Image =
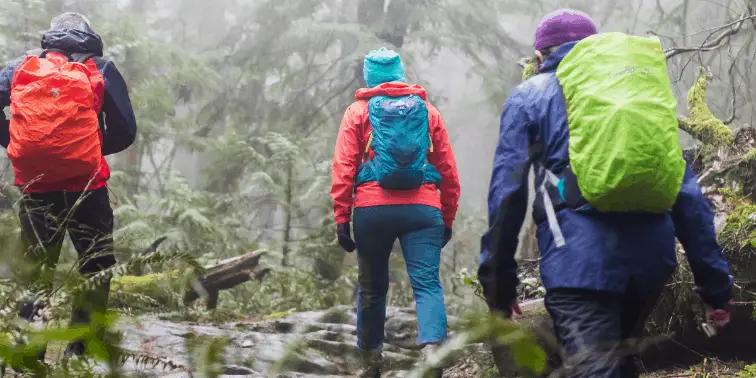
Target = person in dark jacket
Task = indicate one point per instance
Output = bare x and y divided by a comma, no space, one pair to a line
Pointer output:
47,210
608,274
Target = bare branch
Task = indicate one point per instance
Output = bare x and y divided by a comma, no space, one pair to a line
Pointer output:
712,43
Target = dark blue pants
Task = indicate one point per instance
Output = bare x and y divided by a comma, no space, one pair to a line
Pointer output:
420,230
596,329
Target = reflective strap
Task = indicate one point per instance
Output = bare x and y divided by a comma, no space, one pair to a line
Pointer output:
370,139
553,179
556,231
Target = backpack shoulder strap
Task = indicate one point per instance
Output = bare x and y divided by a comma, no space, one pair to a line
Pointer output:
82,58
56,51
430,132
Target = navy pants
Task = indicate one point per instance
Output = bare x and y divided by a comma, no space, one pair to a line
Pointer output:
597,329
45,218
420,230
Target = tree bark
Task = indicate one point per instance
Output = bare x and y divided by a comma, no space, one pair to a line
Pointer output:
289,208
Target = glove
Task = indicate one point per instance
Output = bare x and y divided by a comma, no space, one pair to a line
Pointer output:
344,233
507,313
447,236
717,318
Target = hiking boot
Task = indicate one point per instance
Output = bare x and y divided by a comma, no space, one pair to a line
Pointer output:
96,300
372,362
30,309
434,372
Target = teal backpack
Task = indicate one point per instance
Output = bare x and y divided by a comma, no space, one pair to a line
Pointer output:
400,139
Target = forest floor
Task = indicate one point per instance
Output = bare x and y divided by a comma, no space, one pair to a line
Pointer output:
709,369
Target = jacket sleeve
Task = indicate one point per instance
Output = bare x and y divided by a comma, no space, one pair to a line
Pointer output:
120,122
443,159
507,206
6,79
694,228
346,159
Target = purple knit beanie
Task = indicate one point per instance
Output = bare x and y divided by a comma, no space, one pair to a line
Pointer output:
562,26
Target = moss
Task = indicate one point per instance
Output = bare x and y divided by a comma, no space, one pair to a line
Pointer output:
279,315
159,287
748,372
750,156
701,123
530,69
335,316
739,231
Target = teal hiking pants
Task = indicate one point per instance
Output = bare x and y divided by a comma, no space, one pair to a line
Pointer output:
420,230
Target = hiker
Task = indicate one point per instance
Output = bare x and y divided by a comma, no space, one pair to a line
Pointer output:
612,193
393,153
69,107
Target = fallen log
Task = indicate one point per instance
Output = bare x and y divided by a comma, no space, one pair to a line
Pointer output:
226,275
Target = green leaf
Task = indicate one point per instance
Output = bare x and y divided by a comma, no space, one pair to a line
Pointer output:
528,355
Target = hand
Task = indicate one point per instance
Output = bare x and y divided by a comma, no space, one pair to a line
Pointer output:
344,233
514,308
717,318
447,236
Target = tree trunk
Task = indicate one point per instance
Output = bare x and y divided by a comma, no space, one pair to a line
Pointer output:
288,197
130,161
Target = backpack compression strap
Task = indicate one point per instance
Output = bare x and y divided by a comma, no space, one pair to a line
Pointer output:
370,140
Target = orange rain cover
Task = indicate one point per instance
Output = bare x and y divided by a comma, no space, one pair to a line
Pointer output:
54,130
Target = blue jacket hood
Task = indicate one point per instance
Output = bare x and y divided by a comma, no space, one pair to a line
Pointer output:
73,41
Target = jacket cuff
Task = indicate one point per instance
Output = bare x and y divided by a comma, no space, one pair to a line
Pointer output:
449,221
501,299
500,292
343,218
716,303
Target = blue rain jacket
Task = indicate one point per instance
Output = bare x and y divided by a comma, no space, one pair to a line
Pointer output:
605,252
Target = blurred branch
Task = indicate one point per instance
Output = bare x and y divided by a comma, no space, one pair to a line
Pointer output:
711,42
733,93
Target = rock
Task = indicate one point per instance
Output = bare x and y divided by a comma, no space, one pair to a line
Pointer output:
316,343
323,343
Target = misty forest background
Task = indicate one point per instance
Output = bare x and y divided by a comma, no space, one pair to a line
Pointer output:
238,104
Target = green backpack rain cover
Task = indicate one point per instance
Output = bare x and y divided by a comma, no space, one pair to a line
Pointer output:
623,145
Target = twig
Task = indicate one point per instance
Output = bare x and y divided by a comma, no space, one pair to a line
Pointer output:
715,43
723,167
732,116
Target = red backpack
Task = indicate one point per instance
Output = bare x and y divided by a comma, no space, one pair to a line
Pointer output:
54,128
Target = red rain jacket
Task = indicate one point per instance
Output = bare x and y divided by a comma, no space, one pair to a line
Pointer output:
351,144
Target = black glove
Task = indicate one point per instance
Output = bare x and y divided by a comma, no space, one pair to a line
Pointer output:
344,234
447,236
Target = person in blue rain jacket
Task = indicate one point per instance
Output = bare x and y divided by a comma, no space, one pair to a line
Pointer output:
603,282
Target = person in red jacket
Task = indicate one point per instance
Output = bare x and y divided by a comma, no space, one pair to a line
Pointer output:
394,165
